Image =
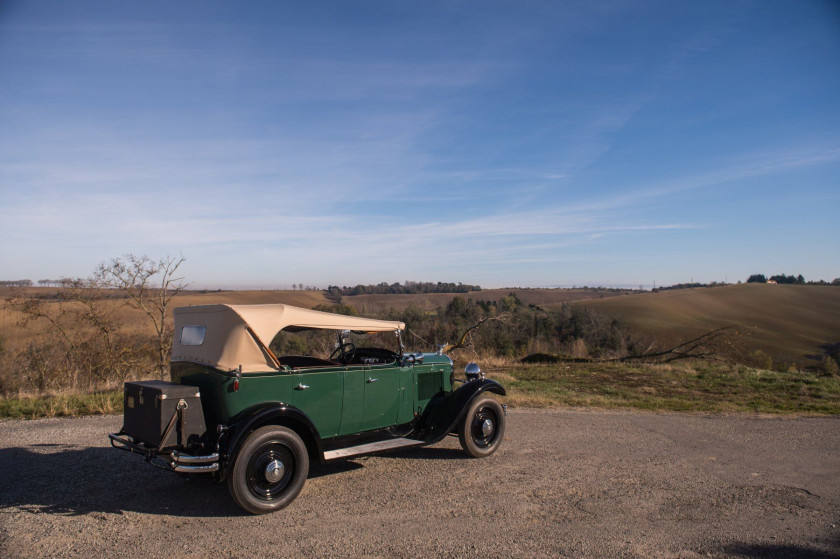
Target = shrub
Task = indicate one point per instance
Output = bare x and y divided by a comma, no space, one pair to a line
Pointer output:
829,367
761,360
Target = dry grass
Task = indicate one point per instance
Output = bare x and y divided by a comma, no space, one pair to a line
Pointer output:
500,376
685,387
61,405
682,386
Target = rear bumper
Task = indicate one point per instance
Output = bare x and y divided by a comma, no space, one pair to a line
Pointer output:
172,460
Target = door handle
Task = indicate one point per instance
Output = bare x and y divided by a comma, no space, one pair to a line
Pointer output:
301,386
370,380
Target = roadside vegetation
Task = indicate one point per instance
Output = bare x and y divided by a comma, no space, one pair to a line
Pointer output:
71,404
685,387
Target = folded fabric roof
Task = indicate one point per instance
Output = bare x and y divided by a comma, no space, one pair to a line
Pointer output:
226,343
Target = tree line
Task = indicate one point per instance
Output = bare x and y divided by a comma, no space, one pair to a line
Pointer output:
16,283
409,287
689,286
792,280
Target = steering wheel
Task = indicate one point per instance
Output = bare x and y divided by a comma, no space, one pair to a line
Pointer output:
343,353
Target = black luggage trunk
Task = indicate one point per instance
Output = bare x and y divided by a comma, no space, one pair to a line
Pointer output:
155,409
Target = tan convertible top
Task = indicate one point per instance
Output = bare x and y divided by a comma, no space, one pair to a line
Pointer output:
227,336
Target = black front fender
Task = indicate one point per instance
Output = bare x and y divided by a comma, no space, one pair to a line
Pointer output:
270,413
442,416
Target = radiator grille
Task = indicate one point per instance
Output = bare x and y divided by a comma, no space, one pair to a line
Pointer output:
428,384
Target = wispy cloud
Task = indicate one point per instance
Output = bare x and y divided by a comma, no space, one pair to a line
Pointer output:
402,143
747,166
118,221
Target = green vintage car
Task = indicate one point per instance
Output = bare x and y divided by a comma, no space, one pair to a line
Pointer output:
238,411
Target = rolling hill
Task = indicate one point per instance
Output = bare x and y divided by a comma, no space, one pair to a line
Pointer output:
791,323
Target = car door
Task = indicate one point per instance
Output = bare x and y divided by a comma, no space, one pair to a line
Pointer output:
318,393
354,393
381,399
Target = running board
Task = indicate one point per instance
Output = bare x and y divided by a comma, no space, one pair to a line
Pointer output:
370,447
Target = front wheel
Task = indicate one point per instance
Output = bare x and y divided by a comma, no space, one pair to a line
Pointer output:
269,470
482,428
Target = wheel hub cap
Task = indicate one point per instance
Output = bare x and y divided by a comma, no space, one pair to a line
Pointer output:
274,471
487,428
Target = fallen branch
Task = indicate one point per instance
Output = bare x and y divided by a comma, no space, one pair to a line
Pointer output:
701,347
461,343
706,346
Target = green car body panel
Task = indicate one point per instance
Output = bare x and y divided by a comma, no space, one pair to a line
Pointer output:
338,400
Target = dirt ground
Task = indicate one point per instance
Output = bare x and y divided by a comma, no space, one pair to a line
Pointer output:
566,483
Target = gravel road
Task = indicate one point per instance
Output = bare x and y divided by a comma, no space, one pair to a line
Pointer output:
565,482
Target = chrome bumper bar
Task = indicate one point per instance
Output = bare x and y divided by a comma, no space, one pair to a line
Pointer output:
188,464
204,469
174,460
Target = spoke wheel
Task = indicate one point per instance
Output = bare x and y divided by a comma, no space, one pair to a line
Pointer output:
269,470
482,428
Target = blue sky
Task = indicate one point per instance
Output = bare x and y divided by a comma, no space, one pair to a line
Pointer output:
520,143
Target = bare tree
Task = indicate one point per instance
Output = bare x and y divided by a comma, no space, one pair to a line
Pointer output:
83,343
150,286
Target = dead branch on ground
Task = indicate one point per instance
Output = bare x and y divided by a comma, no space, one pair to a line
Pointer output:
714,345
503,317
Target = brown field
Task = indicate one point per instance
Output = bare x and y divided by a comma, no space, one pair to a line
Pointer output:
13,336
788,322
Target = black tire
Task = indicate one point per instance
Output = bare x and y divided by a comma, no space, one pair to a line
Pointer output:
251,481
476,439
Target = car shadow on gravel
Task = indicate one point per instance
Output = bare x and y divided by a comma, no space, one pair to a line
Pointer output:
68,480
428,453
319,470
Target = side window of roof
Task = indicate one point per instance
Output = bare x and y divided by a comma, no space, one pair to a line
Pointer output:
193,335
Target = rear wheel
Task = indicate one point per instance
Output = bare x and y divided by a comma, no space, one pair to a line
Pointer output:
269,470
482,428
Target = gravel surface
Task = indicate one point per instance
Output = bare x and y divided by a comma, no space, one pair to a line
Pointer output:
564,483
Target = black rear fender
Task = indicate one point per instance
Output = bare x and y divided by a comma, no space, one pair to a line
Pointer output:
270,413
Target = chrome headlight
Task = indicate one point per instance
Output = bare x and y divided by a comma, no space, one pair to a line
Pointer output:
473,371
